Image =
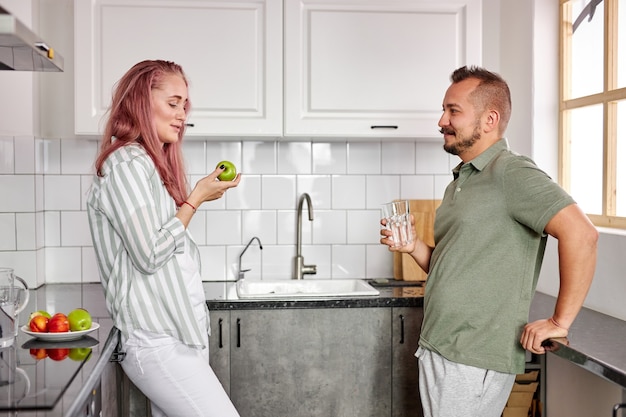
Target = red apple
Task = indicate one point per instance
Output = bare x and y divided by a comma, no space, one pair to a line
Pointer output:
39,324
58,323
58,354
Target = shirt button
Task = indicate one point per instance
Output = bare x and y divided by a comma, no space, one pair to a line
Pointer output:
458,189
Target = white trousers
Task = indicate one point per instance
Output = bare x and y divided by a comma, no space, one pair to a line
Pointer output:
178,380
449,389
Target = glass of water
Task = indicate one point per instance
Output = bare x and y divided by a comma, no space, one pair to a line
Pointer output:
398,221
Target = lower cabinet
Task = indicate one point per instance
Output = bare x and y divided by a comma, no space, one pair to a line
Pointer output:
338,362
406,327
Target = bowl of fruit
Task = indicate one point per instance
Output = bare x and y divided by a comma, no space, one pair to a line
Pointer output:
60,327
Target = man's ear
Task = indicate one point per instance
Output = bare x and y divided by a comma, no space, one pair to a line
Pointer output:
492,121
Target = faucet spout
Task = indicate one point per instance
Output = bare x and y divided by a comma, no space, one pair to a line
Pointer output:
241,272
300,269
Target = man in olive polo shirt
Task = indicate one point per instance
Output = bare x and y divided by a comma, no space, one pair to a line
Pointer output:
490,235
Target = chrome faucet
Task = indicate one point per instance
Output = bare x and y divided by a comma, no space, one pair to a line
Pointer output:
241,272
300,269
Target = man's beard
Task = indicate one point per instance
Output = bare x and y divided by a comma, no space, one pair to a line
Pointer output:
461,143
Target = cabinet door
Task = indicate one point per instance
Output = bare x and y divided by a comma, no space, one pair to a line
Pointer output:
311,362
219,346
231,52
373,68
406,325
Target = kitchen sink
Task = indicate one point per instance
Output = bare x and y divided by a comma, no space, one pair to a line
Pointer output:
306,288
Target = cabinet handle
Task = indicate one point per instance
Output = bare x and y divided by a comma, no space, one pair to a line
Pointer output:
617,407
219,322
238,332
383,127
401,329
190,125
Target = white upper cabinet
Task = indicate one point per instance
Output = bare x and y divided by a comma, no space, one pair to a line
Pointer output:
374,68
231,51
352,68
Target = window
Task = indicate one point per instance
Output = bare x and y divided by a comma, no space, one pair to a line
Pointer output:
593,107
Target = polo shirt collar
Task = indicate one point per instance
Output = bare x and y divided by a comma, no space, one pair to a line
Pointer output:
482,160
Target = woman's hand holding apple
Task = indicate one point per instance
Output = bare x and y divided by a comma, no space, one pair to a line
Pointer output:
210,188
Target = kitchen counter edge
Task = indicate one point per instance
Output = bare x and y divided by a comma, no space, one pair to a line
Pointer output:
595,340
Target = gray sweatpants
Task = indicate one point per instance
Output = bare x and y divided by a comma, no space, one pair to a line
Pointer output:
450,389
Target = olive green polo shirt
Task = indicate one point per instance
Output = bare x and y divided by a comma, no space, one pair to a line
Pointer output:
489,246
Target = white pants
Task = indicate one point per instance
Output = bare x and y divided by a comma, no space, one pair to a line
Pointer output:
177,380
449,389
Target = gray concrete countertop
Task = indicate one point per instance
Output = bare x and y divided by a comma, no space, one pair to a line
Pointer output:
596,341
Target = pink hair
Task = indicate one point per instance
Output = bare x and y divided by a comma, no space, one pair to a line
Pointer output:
130,121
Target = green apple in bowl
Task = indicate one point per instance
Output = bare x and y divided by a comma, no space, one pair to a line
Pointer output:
229,173
79,319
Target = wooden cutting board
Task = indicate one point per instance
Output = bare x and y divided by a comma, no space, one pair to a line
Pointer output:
404,266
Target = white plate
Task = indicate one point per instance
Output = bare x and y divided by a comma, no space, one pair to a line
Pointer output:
60,337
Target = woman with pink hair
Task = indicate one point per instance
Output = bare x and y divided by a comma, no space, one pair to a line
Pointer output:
139,207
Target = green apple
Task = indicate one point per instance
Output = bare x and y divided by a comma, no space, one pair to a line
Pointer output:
39,313
229,173
79,319
79,354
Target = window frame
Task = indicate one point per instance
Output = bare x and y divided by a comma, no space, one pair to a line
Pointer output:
608,98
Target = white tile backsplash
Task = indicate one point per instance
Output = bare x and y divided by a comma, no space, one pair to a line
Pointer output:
259,223
294,158
364,157
398,158
52,229
348,191
246,196
417,187
430,158
329,227
259,157
75,229
278,192
7,155
223,227
318,187
329,158
49,159
8,231
381,189
45,234
278,261
378,262
78,156
24,155
25,227
63,265
197,227
18,193
213,263
348,261
194,155
62,192
363,226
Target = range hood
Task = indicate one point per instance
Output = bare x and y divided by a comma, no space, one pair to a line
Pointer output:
23,50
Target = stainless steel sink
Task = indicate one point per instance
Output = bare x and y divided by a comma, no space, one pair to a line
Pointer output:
306,288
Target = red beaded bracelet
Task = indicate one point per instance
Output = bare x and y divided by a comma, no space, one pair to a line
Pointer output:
190,205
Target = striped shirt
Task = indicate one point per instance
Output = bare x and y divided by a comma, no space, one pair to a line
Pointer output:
138,242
